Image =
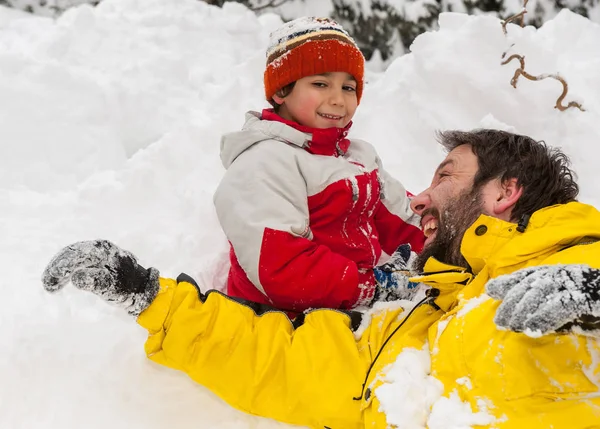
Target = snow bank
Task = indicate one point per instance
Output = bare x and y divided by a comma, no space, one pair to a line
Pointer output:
110,123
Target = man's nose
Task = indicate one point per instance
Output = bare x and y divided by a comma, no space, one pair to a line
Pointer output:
420,202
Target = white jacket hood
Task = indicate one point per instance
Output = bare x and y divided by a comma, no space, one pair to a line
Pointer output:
254,131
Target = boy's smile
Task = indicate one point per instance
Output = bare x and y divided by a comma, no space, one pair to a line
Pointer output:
320,101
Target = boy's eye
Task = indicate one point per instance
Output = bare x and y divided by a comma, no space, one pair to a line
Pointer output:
319,84
349,88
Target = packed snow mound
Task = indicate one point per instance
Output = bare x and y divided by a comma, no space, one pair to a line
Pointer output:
110,125
453,79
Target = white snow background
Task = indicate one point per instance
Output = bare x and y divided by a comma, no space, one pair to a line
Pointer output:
110,120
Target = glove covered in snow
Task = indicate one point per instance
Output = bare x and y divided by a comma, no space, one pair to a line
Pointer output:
101,267
548,298
392,277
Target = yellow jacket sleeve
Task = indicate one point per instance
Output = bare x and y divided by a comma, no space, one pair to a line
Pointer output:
582,253
261,363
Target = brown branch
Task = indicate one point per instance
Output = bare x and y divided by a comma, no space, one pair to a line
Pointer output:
521,72
523,15
521,59
272,3
515,16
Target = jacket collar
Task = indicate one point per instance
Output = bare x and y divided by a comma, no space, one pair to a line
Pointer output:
448,279
318,141
496,246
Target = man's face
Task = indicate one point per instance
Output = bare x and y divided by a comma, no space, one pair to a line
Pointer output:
450,206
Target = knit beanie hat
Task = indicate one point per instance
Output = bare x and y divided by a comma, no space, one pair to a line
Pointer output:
308,46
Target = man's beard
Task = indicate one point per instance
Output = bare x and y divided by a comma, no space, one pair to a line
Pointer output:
459,215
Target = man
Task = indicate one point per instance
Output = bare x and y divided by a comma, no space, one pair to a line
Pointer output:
498,204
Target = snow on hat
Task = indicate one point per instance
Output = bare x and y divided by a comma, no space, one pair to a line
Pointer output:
308,46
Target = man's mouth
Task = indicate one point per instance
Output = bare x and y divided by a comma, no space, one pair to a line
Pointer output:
429,225
330,117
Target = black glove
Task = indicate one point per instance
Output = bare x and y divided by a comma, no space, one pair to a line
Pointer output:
548,298
392,277
101,267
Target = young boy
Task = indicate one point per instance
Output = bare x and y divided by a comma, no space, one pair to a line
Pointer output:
306,210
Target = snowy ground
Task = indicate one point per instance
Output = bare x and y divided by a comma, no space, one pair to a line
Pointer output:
109,127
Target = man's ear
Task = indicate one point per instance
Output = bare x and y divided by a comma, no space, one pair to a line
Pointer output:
509,193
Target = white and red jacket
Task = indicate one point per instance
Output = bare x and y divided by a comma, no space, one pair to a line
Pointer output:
308,213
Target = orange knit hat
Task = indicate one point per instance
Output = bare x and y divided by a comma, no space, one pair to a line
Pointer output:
308,46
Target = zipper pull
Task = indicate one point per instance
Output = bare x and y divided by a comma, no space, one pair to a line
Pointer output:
431,295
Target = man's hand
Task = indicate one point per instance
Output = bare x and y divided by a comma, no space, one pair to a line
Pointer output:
392,277
101,267
548,298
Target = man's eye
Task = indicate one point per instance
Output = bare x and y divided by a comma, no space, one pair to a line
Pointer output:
444,175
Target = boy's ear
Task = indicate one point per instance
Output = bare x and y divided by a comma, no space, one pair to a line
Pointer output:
509,193
278,99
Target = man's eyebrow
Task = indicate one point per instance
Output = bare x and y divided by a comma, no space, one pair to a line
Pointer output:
444,164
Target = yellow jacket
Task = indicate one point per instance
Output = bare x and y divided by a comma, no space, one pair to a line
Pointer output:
315,372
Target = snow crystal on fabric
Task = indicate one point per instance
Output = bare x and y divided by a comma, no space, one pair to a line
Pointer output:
471,304
381,307
452,413
301,25
543,299
102,268
409,391
412,399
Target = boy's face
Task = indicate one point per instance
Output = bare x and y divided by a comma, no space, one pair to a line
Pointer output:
320,101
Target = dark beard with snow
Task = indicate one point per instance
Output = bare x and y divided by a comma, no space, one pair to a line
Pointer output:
458,216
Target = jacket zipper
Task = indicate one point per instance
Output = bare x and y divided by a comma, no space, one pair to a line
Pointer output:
430,296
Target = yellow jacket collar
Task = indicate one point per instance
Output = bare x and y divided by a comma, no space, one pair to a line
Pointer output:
497,243
448,279
493,243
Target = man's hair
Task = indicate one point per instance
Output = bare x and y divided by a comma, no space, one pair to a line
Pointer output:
542,172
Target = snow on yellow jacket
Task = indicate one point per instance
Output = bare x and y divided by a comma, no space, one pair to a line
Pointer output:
315,372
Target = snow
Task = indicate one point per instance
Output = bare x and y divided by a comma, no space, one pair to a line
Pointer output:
295,9
380,307
592,371
538,301
110,126
452,413
472,304
409,391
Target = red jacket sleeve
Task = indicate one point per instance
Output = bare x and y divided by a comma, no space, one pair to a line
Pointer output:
395,221
298,274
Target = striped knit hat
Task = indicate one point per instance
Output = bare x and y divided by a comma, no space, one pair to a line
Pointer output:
308,46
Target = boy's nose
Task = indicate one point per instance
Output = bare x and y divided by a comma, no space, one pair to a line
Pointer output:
337,97
420,202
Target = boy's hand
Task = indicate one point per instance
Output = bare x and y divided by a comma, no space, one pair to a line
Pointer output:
101,267
392,277
548,298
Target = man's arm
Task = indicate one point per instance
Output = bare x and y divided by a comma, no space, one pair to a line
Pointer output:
560,295
304,372
256,359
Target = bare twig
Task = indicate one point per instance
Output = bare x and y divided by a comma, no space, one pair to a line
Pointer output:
523,14
521,72
272,3
515,16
